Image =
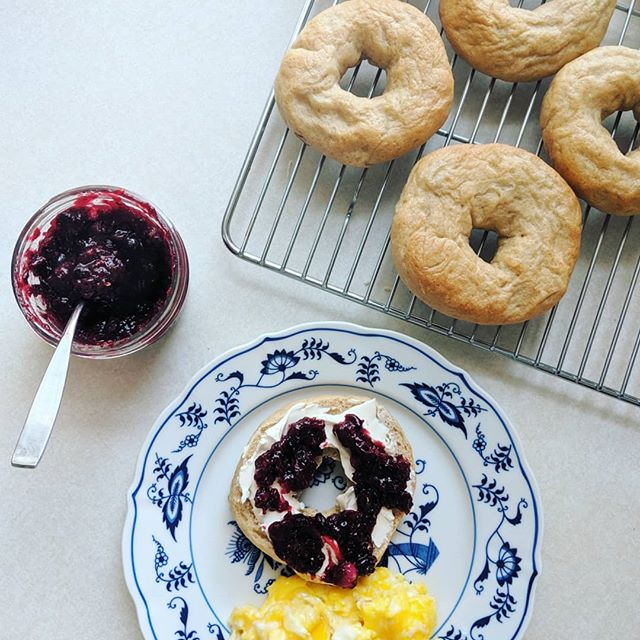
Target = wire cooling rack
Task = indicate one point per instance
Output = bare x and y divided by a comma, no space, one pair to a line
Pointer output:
300,214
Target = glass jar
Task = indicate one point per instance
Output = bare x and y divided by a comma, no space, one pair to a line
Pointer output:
34,306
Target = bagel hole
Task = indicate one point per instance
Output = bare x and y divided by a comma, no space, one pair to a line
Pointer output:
627,130
484,243
328,482
364,80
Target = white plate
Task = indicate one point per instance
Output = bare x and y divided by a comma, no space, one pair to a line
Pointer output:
474,533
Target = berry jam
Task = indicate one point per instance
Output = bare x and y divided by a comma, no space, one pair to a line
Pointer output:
380,480
292,460
104,253
298,542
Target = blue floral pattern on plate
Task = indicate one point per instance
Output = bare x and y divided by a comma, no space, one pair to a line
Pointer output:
171,499
474,532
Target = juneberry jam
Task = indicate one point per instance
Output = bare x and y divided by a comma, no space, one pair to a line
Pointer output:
298,542
352,531
115,259
380,479
292,461
341,542
269,499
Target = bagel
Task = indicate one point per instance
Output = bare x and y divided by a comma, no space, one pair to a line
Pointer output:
520,45
360,131
258,523
585,92
497,187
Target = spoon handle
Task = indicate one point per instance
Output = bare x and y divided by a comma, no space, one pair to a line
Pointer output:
44,409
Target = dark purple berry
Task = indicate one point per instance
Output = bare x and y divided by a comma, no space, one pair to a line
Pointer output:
308,432
368,499
366,564
380,479
113,259
344,575
269,499
268,466
296,540
352,531
294,459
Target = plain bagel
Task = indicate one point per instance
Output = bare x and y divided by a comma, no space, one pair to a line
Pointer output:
520,45
497,187
252,520
362,131
585,92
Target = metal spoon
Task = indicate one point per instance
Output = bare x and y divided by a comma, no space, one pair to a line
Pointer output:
44,409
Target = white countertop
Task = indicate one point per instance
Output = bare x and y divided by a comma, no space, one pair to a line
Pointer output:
162,98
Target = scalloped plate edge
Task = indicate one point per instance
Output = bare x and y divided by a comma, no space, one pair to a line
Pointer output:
142,610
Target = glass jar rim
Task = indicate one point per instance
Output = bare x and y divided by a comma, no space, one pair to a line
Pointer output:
157,325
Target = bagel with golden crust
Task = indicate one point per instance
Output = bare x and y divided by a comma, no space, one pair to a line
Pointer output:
520,45
585,92
249,518
362,131
495,187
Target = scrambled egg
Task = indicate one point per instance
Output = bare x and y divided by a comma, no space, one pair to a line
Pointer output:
383,606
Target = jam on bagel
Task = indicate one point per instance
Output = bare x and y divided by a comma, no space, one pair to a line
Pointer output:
337,548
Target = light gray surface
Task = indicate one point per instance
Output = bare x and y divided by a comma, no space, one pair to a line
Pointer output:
162,98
